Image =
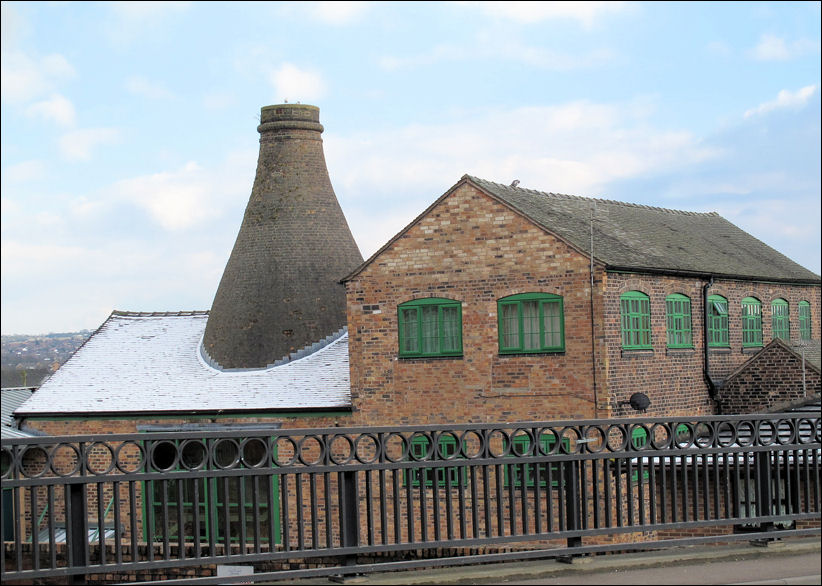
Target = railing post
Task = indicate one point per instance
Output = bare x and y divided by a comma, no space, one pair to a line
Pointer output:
764,488
572,505
349,513
78,530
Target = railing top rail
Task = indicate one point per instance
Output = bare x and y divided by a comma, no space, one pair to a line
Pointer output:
275,429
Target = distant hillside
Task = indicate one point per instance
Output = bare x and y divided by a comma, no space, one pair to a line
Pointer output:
27,360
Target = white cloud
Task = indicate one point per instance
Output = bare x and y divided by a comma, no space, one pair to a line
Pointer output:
57,108
77,145
577,148
785,99
585,13
141,86
25,78
339,13
24,171
294,84
773,48
132,20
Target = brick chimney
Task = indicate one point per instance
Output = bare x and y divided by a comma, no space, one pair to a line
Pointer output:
280,290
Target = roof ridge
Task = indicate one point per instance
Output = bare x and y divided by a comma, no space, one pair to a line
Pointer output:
182,313
593,199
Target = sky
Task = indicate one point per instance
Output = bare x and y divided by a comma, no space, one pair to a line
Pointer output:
129,139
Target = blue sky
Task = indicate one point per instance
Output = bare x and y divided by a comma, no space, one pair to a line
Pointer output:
129,138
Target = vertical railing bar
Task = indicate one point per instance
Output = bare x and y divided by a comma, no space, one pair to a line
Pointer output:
35,528
512,505
286,538
524,499
663,463
486,499
727,488
272,484
84,496
52,539
312,486
101,524
606,481
409,499
195,531
227,515
212,519
329,531
618,490
435,488
561,497
475,528
706,503
69,528
716,475
684,468
423,474
298,506
807,483
166,546
118,536
383,507
629,489
696,497
397,507
595,492
640,481
132,498
673,477
549,495
776,489
538,499
148,525
241,515
181,533
369,515
583,491
461,499
500,496
255,507
449,506
652,466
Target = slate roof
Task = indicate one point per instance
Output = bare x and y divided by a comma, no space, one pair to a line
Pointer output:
150,363
10,399
644,238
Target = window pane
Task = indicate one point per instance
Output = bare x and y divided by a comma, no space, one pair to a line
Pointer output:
510,325
551,325
450,329
410,333
430,335
530,325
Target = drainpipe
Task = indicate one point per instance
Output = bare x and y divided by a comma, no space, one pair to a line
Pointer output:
706,369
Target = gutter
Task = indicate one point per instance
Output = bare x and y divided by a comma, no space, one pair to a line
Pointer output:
701,275
706,368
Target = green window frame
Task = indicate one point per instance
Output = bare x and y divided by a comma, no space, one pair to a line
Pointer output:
531,323
430,327
678,310
520,445
419,447
780,319
635,310
805,320
214,515
718,322
751,322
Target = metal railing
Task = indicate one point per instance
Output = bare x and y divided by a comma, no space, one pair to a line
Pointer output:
538,489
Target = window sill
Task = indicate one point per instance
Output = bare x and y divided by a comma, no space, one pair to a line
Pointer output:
751,349
722,350
428,358
535,353
638,353
679,351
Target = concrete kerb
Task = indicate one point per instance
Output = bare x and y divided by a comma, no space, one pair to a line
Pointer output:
529,570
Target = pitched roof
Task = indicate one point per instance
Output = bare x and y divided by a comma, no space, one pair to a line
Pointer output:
642,238
151,363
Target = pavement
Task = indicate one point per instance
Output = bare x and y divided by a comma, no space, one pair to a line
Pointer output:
788,561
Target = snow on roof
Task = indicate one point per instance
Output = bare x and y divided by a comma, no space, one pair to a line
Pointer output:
151,363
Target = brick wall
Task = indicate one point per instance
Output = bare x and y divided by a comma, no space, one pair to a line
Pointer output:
773,380
472,249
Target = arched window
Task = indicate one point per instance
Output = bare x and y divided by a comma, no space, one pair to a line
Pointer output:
531,322
678,310
635,308
751,322
780,319
805,320
718,322
430,327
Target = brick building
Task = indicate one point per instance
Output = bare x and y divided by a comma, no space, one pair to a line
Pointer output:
504,303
